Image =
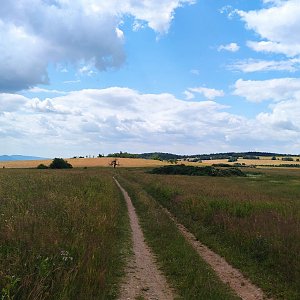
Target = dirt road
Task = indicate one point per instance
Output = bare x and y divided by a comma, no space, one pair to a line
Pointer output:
228,274
143,277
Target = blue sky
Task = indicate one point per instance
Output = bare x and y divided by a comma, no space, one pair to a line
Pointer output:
183,76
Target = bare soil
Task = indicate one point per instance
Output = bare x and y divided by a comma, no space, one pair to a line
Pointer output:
143,278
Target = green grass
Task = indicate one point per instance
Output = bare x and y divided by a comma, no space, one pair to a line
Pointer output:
64,234
186,271
254,222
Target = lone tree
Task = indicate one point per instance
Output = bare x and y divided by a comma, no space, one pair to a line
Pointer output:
114,163
60,163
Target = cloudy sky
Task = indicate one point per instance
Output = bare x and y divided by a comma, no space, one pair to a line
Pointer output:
80,77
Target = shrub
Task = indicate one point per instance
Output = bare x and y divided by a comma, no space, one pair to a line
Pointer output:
232,159
197,171
287,159
42,166
60,163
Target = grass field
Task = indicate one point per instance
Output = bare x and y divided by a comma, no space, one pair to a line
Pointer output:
63,234
254,222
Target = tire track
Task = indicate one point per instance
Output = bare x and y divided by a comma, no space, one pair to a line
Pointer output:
228,274
143,278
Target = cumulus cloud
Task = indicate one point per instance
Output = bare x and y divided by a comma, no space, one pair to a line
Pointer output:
10,102
208,93
257,65
278,25
232,47
113,119
272,89
119,117
35,33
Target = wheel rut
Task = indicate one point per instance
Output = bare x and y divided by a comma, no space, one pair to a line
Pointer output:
242,286
143,278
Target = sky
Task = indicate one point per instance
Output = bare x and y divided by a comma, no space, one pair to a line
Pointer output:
88,77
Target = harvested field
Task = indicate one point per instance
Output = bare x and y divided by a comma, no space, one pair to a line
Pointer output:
256,162
86,162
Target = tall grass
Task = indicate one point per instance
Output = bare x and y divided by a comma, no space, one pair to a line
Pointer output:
254,222
63,234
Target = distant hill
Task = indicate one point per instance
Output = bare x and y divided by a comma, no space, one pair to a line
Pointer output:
19,157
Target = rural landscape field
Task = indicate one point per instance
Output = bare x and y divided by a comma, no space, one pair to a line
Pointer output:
149,150
65,234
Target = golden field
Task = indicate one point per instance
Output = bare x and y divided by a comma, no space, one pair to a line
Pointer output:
139,162
264,161
86,162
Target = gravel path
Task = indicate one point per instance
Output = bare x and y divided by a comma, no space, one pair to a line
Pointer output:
143,278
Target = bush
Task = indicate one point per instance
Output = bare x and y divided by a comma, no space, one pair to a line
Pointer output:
232,159
59,163
197,171
287,159
42,166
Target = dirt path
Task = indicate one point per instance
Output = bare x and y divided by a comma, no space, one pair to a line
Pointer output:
229,275
143,279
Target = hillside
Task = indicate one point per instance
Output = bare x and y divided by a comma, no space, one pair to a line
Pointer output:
19,157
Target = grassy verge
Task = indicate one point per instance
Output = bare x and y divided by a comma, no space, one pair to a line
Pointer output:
253,222
185,270
63,234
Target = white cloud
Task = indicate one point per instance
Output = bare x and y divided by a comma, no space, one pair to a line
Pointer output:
284,116
11,102
188,95
195,72
232,47
257,65
72,81
274,89
41,90
113,119
35,33
278,25
208,93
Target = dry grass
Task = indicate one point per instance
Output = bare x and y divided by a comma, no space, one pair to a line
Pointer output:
86,162
139,162
261,161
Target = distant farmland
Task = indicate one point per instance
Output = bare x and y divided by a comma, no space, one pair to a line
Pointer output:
86,162
140,162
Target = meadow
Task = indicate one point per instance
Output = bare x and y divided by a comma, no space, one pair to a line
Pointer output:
253,221
64,234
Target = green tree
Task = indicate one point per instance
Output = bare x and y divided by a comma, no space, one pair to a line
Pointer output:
60,163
